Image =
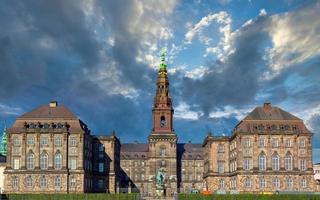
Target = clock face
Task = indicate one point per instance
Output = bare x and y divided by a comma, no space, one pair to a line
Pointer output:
163,123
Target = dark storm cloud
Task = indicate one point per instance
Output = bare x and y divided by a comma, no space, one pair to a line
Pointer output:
45,47
236,82
38,40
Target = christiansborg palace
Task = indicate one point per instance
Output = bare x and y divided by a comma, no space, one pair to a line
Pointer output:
50,149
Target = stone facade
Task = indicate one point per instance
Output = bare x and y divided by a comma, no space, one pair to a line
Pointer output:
270,150
50,150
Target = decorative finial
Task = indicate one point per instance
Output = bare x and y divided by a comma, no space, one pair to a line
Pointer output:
163,58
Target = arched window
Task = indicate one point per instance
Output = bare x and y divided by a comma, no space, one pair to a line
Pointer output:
57,161
275,162
162,121
44,161
262,162
30,160
43,182
29,181
288,162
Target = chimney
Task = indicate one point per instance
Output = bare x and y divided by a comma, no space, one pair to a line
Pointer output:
267,106
53,104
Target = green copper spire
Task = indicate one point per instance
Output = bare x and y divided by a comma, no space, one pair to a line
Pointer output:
3,142
163,64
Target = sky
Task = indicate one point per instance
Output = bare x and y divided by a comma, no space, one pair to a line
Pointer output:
100,59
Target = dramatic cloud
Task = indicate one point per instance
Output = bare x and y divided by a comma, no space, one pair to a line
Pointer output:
100,57
235,81
295,37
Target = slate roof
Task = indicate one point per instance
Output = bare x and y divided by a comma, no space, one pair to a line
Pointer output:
190,151
49,118
134,151
268,112
268,118
47,112
134,147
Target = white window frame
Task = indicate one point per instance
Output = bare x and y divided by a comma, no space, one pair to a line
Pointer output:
275,162
288,160
29,181
30,161
247,164
262,163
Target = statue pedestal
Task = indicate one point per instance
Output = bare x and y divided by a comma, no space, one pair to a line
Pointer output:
160,192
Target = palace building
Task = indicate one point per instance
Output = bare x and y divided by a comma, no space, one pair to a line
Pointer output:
51,150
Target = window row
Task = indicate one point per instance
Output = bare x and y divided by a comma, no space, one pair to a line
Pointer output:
191,177
44,160
43,182
276,183
282,127
275,142
275,163
44,140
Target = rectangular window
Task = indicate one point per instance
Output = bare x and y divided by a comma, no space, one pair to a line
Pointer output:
220,148
275,142
101,167
302,143
262,142
30,141
73,141
302,165
289,183
57,141
302,151
100,183
247,164
16,163
44,140
57,182
101,148
16,141
220,167
247,142
263,183
73,163
190,177
288,143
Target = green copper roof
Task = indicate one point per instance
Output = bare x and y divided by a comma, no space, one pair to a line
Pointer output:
163,64
3,142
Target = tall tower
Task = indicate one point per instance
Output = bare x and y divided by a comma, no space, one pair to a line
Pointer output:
162,111
162,139
3,144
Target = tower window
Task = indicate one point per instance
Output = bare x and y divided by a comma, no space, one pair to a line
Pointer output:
162,121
